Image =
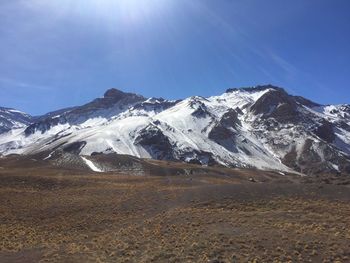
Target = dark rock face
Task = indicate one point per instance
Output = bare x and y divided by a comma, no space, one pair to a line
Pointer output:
230,119
111,97
308,155
115,94
201,112
305,161
276,104
155,143
290,159
309,161
160,147
220,133
74,148
344,126
343,111
197,157
306,102
200,109
325,131
52,114
4,127
224,132
256,88
44,125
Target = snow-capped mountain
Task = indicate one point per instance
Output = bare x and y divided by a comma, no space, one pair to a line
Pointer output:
262,127
13,119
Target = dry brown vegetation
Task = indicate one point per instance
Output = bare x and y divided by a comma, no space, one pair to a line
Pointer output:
50,215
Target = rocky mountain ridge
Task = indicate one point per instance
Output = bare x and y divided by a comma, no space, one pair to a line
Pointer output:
262,127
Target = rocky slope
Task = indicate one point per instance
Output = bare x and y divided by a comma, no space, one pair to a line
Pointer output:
262,127
13,119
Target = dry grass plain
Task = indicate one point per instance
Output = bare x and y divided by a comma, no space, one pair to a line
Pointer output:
51,215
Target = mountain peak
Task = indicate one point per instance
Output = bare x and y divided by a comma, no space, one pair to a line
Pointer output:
255,88
116,95
112,93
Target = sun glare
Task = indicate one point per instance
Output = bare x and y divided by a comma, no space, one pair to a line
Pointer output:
127,11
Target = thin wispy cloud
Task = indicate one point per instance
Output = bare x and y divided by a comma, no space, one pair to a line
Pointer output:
8,83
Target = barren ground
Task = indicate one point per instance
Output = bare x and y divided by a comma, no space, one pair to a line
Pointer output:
54,215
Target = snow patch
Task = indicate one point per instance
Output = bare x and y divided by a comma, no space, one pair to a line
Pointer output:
336,167
48,157
92,166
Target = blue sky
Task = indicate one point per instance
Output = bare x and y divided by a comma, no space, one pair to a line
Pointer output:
61,53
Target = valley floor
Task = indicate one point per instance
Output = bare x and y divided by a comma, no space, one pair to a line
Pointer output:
62,216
